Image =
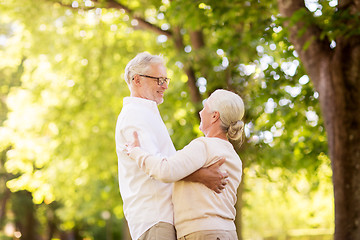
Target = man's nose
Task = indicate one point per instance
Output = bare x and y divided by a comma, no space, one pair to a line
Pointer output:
165,85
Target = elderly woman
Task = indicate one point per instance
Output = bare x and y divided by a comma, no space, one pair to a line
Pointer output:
200,213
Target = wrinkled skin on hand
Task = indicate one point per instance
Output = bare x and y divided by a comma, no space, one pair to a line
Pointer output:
212,177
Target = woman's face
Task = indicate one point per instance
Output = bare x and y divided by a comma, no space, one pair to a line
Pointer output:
205,116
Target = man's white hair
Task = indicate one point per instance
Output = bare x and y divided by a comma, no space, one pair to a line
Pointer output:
140,65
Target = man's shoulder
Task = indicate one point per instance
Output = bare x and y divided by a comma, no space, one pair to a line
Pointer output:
131,108
135,116
130,116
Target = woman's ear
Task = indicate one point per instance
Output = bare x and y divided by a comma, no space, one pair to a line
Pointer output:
215,116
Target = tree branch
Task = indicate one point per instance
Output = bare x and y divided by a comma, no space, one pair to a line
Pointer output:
305,37
142,22
115,5
70,6
197,39
353,5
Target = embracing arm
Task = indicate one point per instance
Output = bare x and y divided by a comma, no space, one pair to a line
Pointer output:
174,168
183,166
210,176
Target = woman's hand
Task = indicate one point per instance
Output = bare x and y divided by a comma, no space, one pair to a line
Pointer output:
135,143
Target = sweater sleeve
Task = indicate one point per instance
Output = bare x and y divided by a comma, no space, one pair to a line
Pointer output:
173,168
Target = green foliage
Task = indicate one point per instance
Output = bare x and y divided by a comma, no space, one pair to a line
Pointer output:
62,84
293,202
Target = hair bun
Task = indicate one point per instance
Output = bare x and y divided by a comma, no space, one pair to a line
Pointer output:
238,123
235,130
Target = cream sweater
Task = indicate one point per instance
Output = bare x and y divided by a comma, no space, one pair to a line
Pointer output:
197,207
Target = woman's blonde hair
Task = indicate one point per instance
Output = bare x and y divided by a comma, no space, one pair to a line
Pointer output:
231,109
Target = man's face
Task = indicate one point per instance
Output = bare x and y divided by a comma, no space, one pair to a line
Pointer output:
149,88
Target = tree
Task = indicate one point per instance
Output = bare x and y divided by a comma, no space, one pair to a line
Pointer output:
329,47
50,175
75,53
335,73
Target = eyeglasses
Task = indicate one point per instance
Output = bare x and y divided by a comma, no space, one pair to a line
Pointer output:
160,80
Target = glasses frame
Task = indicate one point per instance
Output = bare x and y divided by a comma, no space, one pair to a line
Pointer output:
160,80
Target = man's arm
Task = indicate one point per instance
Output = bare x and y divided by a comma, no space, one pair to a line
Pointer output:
210,176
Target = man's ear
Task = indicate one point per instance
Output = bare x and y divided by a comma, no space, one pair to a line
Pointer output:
136,80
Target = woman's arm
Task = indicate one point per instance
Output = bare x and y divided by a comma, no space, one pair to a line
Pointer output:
170,169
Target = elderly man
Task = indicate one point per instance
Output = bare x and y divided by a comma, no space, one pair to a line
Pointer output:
146,201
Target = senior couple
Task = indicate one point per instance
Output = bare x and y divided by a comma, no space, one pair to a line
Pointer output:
169,194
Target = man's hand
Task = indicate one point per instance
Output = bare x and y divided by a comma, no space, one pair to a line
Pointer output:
135,143
210,176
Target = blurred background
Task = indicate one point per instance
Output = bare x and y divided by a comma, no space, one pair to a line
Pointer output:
61,89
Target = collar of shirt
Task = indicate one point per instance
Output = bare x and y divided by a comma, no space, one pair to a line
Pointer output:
141,101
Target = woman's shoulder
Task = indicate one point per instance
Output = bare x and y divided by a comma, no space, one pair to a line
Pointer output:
199,140
212,140
207,142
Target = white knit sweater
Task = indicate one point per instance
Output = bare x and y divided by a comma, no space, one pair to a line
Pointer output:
196,207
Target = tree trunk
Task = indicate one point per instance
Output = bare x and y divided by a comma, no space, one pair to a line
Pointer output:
4,200
343,128
52,221
336,76
24,211
194,91
5,194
